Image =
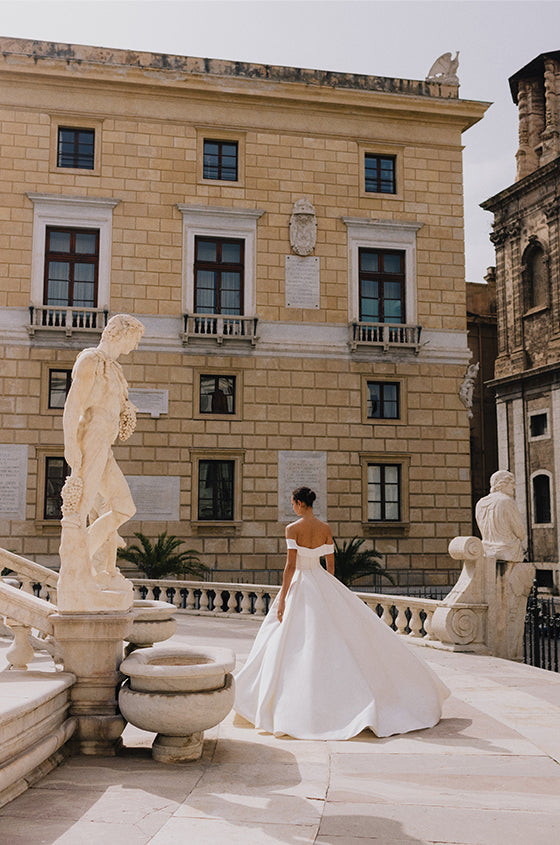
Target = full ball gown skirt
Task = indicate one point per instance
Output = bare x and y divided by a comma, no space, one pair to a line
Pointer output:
332,668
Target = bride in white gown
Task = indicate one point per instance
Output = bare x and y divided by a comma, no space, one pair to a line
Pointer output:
323,665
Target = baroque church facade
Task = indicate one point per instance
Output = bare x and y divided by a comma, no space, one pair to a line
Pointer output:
292,241
527,372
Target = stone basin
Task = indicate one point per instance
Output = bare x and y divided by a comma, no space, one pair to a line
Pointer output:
153,622
177,692
178,668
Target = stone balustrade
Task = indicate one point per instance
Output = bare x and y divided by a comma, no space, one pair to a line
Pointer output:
406,615
459,622
33,578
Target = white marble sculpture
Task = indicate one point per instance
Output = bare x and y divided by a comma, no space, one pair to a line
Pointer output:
444,70
503,538
96,498
303,227
499,520
466,391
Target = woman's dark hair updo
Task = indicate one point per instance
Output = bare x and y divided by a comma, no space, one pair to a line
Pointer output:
304,495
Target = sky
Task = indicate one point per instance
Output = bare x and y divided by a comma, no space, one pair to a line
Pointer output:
399,38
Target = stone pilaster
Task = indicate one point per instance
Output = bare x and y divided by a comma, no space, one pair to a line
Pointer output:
550,135
92,646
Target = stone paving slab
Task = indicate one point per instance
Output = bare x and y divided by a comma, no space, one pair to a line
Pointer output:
486,775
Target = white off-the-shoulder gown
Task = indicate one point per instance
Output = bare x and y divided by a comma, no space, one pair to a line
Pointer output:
332,668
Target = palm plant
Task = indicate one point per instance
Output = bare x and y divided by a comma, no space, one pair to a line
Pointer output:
159,559
352,562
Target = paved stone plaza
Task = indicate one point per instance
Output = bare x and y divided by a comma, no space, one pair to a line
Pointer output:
488,774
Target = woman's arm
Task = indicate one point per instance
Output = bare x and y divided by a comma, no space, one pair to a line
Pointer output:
289,570
330,563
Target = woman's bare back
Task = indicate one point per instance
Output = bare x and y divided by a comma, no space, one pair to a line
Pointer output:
309,532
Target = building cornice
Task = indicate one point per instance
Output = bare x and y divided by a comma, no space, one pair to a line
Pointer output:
180,75
532,180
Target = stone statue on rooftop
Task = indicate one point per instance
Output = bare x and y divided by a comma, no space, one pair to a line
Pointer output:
499,520
444,70
96,498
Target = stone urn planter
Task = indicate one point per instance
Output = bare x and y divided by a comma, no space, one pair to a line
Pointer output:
177,692
153,622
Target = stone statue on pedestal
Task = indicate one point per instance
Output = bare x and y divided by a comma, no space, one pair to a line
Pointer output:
503,536
96,498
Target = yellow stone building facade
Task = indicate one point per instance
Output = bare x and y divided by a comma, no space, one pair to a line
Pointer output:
293,242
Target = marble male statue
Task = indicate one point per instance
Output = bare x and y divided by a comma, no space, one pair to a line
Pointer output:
501,526
96,497
503,537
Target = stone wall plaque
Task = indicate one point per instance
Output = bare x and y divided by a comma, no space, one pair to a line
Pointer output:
13,481
156,498
302,282
296,469
152,402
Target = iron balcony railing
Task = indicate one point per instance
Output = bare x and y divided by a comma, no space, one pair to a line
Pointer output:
219,327
385,335
67,319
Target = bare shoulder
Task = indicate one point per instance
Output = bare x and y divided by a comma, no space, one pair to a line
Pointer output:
291,529
327,531
86,361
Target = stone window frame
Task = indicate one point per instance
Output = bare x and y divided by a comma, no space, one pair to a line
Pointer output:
383,150
402,420
218,371
537,413
397,235
228,527
208,221
211,133
41,454
534,244
71,121
386,528
537,473
76,213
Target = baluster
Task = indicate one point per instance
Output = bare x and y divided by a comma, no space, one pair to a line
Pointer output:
232,602
259,602
20,652
245,602
401,621
204,600
387,615
415,623
26,584
428,624
43,592
190,599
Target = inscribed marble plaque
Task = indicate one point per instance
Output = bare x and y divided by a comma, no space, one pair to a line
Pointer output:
302,282
296,469
156,498
152,402
13,481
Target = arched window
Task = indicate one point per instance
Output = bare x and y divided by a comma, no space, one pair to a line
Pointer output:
541,499
535,275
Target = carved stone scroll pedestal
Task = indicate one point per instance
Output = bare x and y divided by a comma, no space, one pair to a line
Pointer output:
485,610
460,622
92,645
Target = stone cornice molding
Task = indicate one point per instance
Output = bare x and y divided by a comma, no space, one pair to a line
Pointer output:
67,199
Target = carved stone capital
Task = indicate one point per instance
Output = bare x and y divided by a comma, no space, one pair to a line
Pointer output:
499,236
551,209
